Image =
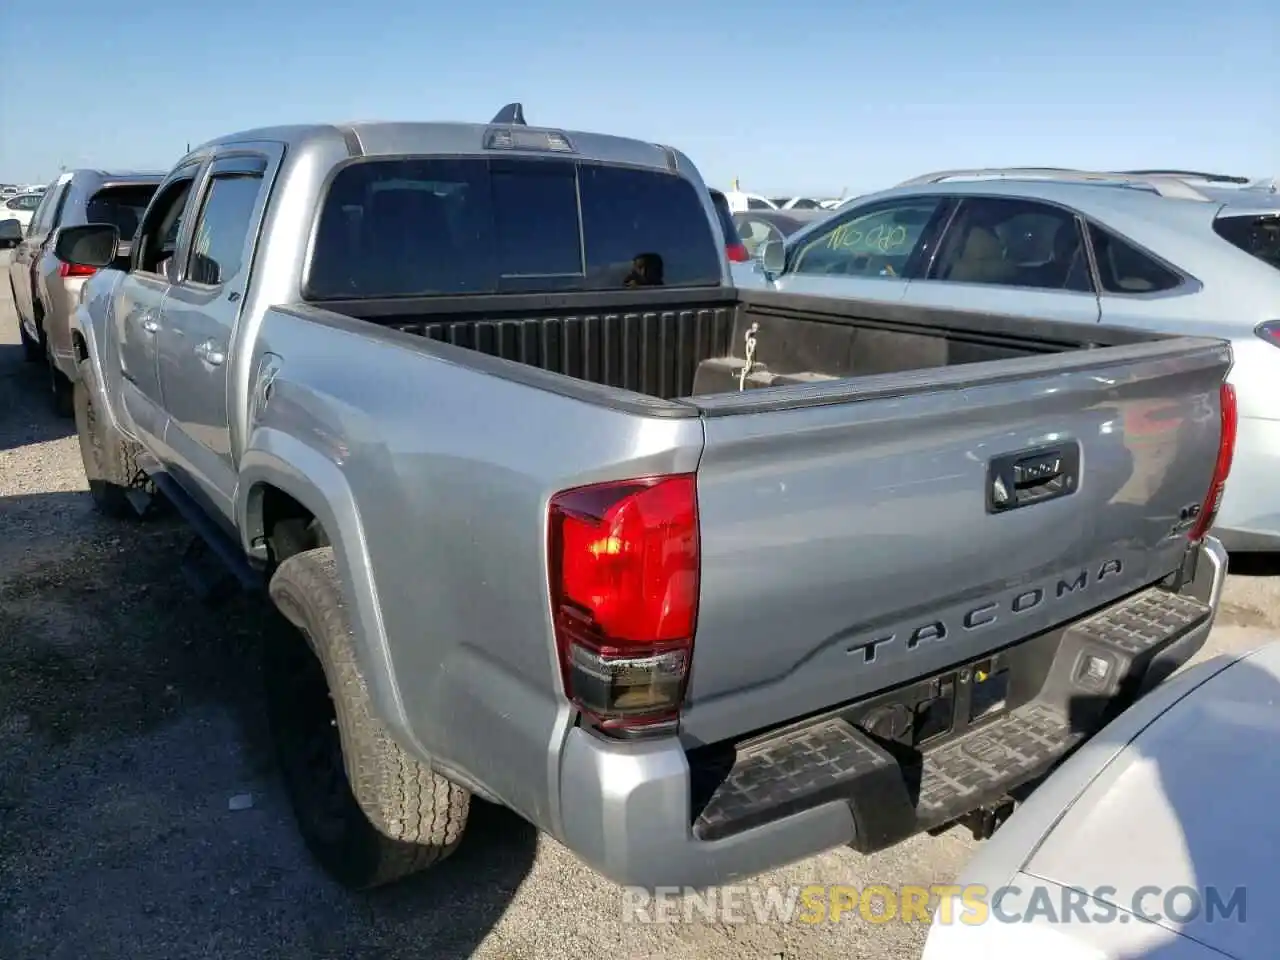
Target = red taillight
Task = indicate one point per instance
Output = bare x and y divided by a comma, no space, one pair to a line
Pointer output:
624,595
1222,466
737,252
75,270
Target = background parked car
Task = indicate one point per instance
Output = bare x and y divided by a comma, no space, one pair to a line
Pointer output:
1161,828
1185,253
20,207
45,289
757,226
796,203
738,200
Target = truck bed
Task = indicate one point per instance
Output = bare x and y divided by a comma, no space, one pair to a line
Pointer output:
850,541
671,347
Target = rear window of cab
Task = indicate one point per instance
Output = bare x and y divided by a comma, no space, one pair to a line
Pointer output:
413,227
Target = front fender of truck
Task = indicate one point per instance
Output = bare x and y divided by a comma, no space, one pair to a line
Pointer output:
283,462
89,330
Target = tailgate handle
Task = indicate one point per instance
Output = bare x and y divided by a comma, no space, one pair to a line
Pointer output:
1032,476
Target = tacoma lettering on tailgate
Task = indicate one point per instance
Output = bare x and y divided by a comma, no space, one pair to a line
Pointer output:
987,613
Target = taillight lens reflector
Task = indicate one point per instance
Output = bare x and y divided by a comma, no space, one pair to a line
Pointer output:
1221,466
737,252
1269,331
75,270
624,567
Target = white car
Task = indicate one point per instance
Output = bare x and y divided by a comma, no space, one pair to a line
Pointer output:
21,207
1153,841
740,201
797,203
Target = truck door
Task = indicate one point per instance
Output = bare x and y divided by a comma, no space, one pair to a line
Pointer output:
200,314
138,309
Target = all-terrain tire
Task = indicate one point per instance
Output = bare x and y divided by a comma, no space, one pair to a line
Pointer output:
110,460
368,811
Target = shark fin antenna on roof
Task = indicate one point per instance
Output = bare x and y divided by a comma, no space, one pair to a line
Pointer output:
512,113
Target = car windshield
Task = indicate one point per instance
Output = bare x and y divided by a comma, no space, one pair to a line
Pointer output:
435,226
1257,235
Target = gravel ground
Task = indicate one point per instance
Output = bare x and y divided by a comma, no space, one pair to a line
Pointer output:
130,716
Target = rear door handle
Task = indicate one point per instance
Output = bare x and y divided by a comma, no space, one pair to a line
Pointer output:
210,354
1033,476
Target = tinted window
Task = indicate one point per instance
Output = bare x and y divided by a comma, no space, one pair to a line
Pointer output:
27,201
60,203
122,207
648,228
43,217
535,215
1123,268
727,225
874,243
218,245
1015,243
425,227
754,203
1259,236
804,203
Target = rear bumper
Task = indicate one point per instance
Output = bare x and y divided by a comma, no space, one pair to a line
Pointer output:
1249,518
652,814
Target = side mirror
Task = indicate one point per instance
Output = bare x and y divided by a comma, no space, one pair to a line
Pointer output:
93,245
773,257
10,234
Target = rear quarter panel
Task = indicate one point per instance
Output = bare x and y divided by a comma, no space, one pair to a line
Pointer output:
435,478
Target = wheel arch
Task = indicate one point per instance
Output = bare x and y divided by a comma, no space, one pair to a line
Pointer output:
284,479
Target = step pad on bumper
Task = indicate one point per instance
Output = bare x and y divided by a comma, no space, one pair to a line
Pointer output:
894,791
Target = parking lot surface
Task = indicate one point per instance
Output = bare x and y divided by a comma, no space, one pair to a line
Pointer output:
131,725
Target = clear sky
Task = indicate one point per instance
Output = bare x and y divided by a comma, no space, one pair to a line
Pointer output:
790,96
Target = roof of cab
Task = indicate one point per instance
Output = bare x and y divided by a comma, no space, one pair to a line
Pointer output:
141,176
389,138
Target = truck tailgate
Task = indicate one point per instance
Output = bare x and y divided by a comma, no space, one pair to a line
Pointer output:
853,537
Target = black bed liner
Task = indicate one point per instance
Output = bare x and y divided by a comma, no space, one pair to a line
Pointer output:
660,342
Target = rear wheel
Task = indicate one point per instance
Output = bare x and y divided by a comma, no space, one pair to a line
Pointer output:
110,460
368,811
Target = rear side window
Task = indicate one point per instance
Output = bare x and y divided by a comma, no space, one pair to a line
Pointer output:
727,225
1256,235
1123,268
121,206
1009,242
442,226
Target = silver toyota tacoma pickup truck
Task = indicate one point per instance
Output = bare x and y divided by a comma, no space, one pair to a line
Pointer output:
699,581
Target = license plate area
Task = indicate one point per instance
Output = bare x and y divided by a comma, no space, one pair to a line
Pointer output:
943,706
